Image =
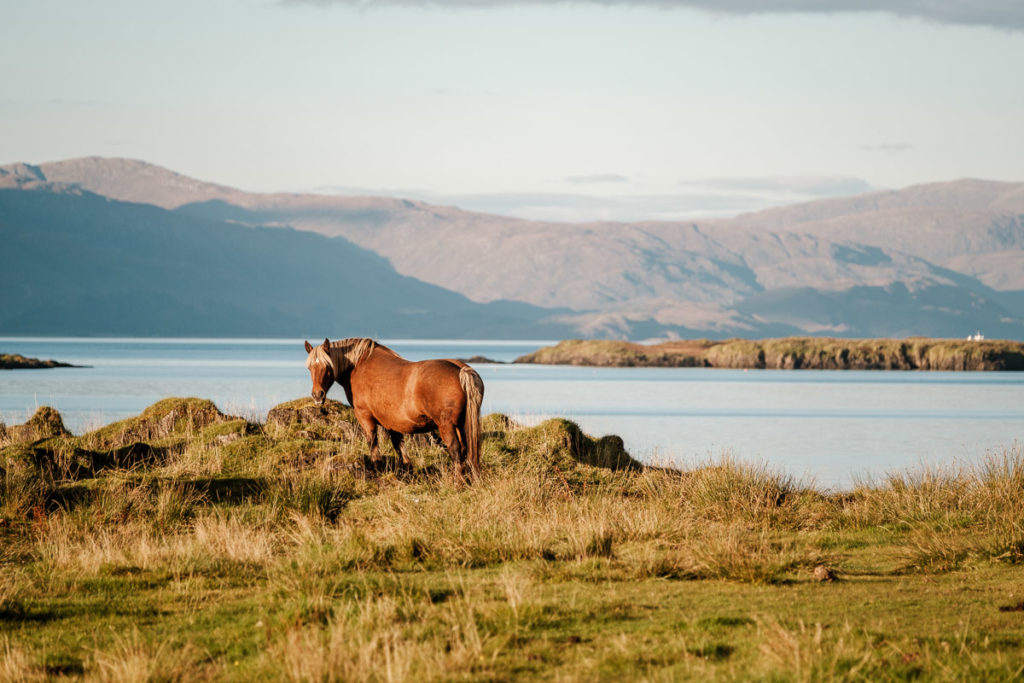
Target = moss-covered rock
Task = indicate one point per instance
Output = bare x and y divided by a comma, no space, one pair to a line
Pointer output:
171,420
44,444
298,434
228,431
303,418
556,443
45,423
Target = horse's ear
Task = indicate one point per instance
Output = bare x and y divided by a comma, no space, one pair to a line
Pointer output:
327,343
309,347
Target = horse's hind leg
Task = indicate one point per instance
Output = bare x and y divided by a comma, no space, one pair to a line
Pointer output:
369,425
450,435
396,443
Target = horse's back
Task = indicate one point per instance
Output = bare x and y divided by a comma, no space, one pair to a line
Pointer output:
409,395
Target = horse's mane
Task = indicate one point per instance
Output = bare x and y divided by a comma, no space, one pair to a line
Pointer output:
319,356
345,354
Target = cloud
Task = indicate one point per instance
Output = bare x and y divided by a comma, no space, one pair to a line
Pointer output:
596,178
797,186
1001,14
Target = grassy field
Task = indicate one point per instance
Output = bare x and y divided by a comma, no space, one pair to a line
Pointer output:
790,353
187,545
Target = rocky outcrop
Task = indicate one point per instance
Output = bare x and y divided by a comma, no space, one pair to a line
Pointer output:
15,361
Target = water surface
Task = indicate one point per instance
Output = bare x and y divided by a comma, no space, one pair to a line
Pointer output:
829,426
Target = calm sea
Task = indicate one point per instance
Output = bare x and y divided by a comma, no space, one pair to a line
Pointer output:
832,428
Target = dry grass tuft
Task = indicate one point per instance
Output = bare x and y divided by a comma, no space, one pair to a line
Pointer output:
133,659
17,665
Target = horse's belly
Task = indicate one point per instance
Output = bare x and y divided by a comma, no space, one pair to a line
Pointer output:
409,424
422,428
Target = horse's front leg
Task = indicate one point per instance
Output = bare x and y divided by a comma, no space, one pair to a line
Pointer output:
369,425
396,443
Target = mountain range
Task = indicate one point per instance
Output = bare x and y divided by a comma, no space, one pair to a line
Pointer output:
75,263
942,259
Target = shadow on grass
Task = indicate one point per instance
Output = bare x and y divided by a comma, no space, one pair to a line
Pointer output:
227,490
231,490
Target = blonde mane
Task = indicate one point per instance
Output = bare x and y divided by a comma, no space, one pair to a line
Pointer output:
347,353
344,354
319,356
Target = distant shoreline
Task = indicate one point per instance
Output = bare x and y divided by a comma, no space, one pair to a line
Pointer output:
15,361
790,353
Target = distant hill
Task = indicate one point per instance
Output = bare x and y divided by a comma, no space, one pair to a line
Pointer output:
73,262
941,260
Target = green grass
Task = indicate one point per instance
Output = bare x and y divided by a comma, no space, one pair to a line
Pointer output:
790,353
227,550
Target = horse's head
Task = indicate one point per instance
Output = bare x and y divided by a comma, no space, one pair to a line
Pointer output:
321,369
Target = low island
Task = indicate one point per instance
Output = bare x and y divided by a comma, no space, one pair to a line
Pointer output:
14,361
791,353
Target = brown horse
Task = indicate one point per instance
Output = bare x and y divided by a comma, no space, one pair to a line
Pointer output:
402,396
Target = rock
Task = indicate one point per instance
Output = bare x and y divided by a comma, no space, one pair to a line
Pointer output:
306,411
304,419
825,573
170,419
225,439
46,423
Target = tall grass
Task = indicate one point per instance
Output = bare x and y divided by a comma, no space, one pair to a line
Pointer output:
133,659
812,652
952,513
413,574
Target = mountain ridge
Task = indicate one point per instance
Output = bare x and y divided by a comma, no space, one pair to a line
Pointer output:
79,263
953,251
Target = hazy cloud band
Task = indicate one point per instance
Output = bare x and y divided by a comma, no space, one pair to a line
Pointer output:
1003,14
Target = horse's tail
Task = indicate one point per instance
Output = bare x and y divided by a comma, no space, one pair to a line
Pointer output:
473,387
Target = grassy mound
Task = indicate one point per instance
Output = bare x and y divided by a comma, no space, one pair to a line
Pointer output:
45,423
555,443
270,551
171,420
44,444
303,418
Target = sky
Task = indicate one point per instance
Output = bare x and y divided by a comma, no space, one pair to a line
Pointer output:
544,109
